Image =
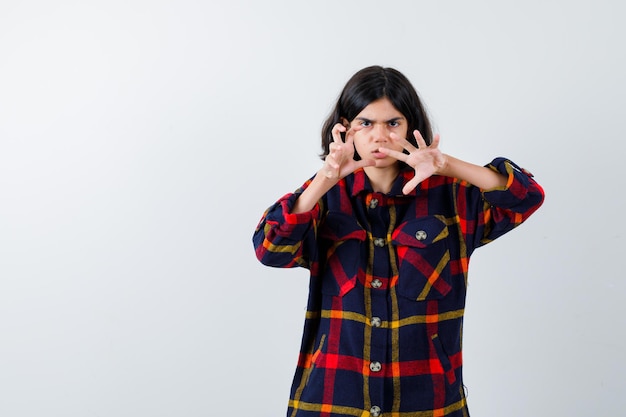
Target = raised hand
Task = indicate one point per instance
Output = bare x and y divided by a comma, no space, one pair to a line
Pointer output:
425,160
340,159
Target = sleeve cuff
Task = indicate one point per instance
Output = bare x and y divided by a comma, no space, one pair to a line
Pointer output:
291,224
516,189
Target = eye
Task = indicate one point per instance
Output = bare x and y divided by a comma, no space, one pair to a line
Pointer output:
366,123
394,123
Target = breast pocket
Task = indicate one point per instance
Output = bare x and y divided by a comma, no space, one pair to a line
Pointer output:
423,258
343,237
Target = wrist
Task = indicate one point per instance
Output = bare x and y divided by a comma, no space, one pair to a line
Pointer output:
326,177
443,165
314,192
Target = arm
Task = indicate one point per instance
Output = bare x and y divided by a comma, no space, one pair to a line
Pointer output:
493,199
338,163
284,239
286,234
313,193
479,176
504,208
428,160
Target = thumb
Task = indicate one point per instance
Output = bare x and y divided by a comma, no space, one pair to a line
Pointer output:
410,186
365,163
355,165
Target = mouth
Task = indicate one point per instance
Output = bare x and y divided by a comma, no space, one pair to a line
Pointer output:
378,155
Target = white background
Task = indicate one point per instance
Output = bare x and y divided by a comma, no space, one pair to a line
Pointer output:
140,142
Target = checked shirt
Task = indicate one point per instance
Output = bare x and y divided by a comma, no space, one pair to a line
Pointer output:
383,328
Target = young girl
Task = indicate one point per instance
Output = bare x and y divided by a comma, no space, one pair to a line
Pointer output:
386,228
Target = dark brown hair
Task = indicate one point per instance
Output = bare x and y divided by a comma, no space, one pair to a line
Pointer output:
373,83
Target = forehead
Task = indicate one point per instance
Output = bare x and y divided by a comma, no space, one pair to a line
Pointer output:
381,109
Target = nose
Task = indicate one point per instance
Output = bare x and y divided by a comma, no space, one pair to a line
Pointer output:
380,133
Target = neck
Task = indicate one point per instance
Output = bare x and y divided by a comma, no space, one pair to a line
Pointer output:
382,178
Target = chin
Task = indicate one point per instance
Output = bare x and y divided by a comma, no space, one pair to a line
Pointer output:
385,163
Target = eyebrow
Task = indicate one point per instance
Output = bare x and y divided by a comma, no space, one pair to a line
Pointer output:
395,119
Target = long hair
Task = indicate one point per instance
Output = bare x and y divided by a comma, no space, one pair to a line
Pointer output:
373,83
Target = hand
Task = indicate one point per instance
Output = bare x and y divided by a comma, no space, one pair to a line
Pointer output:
340,159
426,160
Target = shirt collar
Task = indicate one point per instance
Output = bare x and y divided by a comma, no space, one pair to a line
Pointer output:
362,183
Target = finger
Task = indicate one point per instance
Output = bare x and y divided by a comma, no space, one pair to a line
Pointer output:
364,163
356,128
402,141
435,143
410,186
336,156
336,132
333,164
350,133
421,143
400,156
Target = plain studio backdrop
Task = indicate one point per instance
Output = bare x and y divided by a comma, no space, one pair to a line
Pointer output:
140,142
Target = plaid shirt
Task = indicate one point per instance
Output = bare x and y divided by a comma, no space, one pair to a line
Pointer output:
383,328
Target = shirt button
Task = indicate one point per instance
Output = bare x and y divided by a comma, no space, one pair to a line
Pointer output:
379,241
375,366
375,411
376,283
376,322
420,235
373,203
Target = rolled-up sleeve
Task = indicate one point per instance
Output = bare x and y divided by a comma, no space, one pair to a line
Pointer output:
507,207
521,190
285,239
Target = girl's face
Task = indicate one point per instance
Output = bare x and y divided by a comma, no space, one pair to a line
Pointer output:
377,121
